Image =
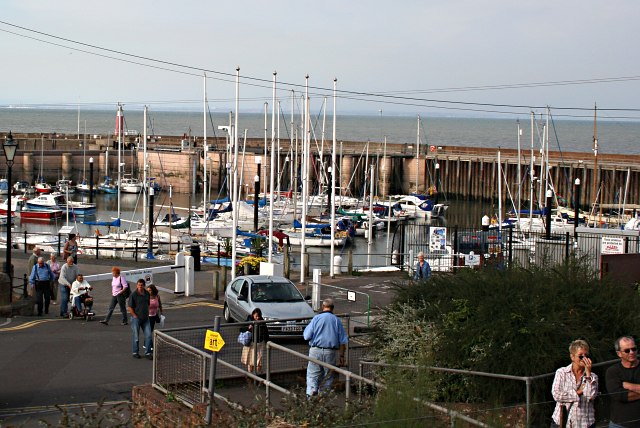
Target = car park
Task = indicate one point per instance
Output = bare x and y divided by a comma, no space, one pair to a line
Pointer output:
278,299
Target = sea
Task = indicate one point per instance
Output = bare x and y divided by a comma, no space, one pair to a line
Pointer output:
614,136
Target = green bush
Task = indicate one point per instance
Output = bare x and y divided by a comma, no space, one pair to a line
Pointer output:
517,322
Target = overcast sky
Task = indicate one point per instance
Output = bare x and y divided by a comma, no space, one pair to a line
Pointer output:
408,51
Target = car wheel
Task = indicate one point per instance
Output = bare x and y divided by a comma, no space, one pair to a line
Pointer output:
227,314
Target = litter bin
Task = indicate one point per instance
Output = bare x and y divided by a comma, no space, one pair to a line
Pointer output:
195,253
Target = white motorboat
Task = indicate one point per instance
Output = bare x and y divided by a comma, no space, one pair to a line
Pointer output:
130,185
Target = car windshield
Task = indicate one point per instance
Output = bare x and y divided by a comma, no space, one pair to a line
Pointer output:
275,292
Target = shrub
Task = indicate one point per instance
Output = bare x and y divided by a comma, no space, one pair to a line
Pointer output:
518,322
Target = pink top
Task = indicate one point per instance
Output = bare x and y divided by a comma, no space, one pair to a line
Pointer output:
154,305
118,284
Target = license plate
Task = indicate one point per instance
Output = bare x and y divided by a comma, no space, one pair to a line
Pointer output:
291,328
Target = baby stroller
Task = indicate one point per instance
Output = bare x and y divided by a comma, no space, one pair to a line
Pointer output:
86,311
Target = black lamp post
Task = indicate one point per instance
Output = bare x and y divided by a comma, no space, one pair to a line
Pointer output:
10,147
150,237
90,180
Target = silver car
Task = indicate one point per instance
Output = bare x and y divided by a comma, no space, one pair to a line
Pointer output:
278,299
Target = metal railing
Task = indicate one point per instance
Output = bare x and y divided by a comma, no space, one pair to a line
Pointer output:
528,380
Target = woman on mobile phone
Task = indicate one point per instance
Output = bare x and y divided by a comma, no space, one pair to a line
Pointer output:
574,389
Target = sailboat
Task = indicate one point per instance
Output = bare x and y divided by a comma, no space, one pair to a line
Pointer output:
41,186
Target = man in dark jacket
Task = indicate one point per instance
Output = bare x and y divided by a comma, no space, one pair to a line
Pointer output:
138,307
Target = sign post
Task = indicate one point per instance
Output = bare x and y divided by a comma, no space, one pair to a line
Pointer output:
213,342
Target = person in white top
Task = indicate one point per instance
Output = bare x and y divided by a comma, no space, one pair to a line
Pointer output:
79,289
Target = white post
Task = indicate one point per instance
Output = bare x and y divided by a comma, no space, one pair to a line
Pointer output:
180,273
189,283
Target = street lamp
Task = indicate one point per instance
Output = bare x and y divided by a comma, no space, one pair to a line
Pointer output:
10,147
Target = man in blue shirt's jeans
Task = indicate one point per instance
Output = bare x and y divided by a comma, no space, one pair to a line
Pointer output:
326,337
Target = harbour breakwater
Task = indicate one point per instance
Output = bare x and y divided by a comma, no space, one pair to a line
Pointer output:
451,171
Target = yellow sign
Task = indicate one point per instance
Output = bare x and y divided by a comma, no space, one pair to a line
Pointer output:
213,341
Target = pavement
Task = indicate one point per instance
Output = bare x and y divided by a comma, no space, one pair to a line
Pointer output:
48,361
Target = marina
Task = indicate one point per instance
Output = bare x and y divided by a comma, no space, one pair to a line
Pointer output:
287,189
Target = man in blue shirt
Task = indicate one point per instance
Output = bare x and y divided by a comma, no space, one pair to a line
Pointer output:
41,277
326,337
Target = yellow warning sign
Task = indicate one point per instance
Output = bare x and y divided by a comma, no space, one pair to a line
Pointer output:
213,341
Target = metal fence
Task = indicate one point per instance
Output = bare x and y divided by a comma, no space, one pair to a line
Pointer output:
355,303
449,249
532,407
181,362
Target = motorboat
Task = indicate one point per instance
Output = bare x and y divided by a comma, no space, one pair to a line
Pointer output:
130,185
57,201
19,209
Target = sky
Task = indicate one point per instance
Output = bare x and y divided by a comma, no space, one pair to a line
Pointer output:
450,58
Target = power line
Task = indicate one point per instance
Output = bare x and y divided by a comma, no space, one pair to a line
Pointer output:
391,97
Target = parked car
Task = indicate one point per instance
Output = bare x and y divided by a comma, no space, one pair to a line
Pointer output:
278,299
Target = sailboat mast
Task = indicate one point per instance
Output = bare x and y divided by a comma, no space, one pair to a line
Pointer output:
418,154
519,172
499,191
145,163
266,129
305,179
293,160
205,183
119,123
271,167
322,169
234,197
532,174
334,171
595,154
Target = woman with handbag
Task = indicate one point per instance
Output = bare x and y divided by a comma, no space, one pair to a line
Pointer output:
252,354
574,389
119,292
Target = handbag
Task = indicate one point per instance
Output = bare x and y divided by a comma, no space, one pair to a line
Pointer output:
161,323
127,290
244,338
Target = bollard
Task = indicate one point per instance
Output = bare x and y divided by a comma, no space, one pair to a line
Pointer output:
305,263
216,285
350,262
395,257
195,253
315,291
337,264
